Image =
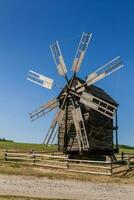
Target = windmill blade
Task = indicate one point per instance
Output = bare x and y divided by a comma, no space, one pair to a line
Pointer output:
78,121
51,130
40,79
80,129
54,136
58,118
44,109
58,58
77,117
82,47
104,71
98,104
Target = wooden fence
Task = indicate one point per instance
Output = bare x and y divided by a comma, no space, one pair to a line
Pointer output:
59,161
128,158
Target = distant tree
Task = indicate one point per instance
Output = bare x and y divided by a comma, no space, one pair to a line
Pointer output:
122,146
4,140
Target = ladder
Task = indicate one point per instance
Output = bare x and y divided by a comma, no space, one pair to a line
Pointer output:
80,129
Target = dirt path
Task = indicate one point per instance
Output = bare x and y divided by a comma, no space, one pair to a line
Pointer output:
43,187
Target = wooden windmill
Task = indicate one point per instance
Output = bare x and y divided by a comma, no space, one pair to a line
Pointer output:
85,118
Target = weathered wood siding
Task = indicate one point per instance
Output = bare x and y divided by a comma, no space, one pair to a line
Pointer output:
98,127
101,131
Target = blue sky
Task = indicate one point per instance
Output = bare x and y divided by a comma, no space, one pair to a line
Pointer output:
28,27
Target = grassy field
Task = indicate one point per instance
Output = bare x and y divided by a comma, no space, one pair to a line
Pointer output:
42,147
12,197
25,146
17,169
125,150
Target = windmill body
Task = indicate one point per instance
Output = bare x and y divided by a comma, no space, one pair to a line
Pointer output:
100,129
86,116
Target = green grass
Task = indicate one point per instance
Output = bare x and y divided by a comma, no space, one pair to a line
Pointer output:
122,146
41,147
25,146
127,150
13,197
17,168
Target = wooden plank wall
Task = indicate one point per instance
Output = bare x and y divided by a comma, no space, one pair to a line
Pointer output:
98,127
101,131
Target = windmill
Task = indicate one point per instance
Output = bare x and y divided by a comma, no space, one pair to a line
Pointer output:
84,111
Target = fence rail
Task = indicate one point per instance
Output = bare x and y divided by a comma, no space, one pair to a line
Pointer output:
57,160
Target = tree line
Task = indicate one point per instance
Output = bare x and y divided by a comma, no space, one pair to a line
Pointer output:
5,140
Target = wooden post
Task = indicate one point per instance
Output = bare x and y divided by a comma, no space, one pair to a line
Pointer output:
111,168
52,152
66,128
68,164
122,155
128,162
116,131
33,156
5,155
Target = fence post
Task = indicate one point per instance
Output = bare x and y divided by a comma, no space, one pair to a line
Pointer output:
111,168
67,164
33,156
52,153
128,162
122,155
5,155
